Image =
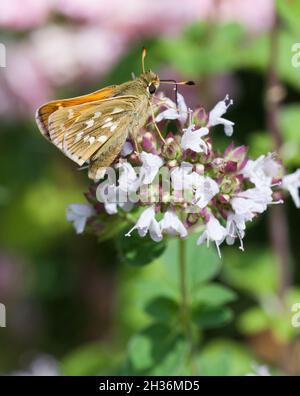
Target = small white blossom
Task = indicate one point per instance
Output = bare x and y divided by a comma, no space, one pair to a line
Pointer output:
193,139
78,214
44,365
205,189
292,184
252,201
263,170
259,371
126,149
147,223
214,231
114,196
128,179
174,113
235,228
150,167
215,116
170,224
182,177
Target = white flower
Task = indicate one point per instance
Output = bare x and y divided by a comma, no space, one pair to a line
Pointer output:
171,225
215,116
193,139
147,223
126,149
44,365
128,179
259,371
205,189
235,228
292,183
262,171
150,167
252,201
107,193
182,177
174,113
79,214
214,231
122,195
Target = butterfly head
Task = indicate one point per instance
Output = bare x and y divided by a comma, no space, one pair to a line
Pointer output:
150,81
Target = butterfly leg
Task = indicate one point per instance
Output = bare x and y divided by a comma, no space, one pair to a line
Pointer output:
156,126
136,145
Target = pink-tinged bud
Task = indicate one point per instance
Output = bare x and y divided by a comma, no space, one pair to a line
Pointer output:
134,159
236,154
199,168
171,150
224,198
278,196
172,163
91,194
192,219
230,167
228,185
205,214
149,143
200,117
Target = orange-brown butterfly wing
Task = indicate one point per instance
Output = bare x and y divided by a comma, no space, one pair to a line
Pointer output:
45,111
79,131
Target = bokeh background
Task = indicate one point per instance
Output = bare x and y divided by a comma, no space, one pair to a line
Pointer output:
71,303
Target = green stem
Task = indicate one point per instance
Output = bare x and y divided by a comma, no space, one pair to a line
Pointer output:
183,285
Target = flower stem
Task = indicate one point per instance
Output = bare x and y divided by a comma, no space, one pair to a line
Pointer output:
183,285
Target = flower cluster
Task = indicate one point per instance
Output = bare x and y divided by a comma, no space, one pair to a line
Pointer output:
182,184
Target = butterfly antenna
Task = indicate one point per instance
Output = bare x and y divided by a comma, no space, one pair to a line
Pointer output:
144,53
176,86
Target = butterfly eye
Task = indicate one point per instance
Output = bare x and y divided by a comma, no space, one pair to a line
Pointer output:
151,88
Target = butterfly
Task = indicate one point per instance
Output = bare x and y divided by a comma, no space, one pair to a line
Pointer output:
93,128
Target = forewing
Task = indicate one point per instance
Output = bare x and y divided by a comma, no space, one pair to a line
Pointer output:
45,111
81,130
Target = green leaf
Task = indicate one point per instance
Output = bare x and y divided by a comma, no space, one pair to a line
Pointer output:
253,321
214,294
157,350
224,358
289,118
139,251
289,11
252,271
211,317
91,359
202,264
162,309
139,350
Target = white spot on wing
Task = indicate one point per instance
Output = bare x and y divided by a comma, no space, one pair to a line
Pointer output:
78,136
117,110
89,124
86,138
97,114
102,139
113,127
107,124
92,140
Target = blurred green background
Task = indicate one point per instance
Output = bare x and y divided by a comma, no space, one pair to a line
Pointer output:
70,297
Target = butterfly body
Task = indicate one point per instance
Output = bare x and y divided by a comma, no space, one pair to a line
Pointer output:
93,128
